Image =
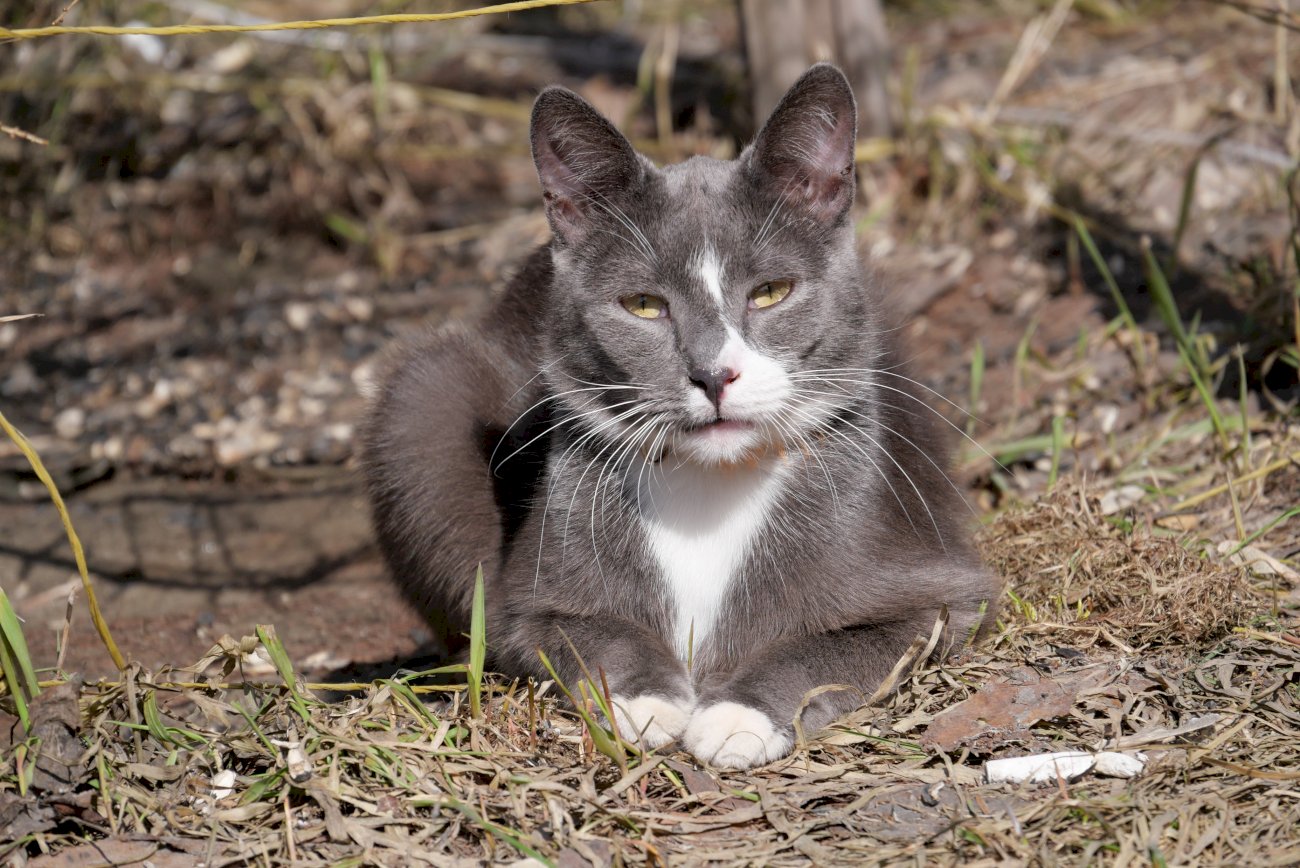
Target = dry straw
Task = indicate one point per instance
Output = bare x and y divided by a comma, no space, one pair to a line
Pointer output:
39,468
317,24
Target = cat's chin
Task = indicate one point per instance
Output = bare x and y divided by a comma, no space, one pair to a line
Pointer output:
725,442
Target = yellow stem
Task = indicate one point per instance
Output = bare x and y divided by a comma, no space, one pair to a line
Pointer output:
319,24
95,614
1271,467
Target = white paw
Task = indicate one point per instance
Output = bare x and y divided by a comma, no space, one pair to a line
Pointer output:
729,735
651,721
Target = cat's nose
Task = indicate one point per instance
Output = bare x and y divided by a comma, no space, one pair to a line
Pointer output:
713,382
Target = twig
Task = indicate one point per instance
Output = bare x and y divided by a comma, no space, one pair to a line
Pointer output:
14,132
64,14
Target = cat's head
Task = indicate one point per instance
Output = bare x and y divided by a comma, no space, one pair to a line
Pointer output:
689,299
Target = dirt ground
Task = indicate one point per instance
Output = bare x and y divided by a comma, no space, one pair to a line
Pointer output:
214,290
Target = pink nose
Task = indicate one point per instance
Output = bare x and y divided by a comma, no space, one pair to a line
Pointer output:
714,383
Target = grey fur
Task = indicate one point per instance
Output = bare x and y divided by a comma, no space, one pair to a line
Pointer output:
527,440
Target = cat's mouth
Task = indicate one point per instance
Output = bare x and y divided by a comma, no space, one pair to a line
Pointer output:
721,441
723,427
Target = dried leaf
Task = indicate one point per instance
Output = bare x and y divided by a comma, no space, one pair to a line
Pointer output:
1004,711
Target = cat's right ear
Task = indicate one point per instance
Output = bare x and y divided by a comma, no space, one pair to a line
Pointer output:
581,159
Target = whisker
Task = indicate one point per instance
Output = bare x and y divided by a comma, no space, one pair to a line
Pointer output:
891,373
920,497
553,397
809,449
629,443
541,370
883,476
567,420
909,395
568,516
555,476
898,434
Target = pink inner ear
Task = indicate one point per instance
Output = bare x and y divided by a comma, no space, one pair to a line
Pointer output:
832,146
821,157
558,179
562,210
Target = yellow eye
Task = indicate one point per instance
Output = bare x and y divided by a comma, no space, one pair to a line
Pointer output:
770,293
645,306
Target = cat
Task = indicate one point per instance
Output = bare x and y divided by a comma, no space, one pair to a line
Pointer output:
681,444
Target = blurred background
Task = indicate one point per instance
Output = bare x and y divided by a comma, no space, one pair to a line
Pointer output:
222,232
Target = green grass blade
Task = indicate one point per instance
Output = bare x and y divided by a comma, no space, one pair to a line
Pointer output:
405,695
477,645
13,633
509,836
603,741
1207,398
283,665
262,788
1192,357
1116,295
183,738
976,384
1163,296
1184,210
1285,516
16,660
1243,406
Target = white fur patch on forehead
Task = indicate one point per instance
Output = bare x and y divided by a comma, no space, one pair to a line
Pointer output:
710,269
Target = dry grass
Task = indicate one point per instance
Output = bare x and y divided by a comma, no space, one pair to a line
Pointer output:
386,778
1076,569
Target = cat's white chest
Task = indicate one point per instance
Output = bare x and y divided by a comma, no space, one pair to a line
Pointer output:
701,547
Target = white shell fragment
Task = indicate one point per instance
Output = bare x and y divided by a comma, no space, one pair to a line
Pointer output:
223,784
1121,499
295,759
1120,765
1047,767
219,786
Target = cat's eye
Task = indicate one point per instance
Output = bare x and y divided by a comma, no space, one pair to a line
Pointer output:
770,293
645,306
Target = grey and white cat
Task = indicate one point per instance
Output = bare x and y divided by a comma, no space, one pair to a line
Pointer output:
681,443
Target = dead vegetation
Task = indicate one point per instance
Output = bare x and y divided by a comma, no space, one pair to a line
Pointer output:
1142,504
1122,579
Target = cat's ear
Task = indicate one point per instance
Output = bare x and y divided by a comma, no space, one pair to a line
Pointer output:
805,150
581,159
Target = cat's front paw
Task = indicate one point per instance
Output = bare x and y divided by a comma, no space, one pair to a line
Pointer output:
728,735
652,721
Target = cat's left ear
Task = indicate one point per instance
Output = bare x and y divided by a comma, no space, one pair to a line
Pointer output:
582,162
805,151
